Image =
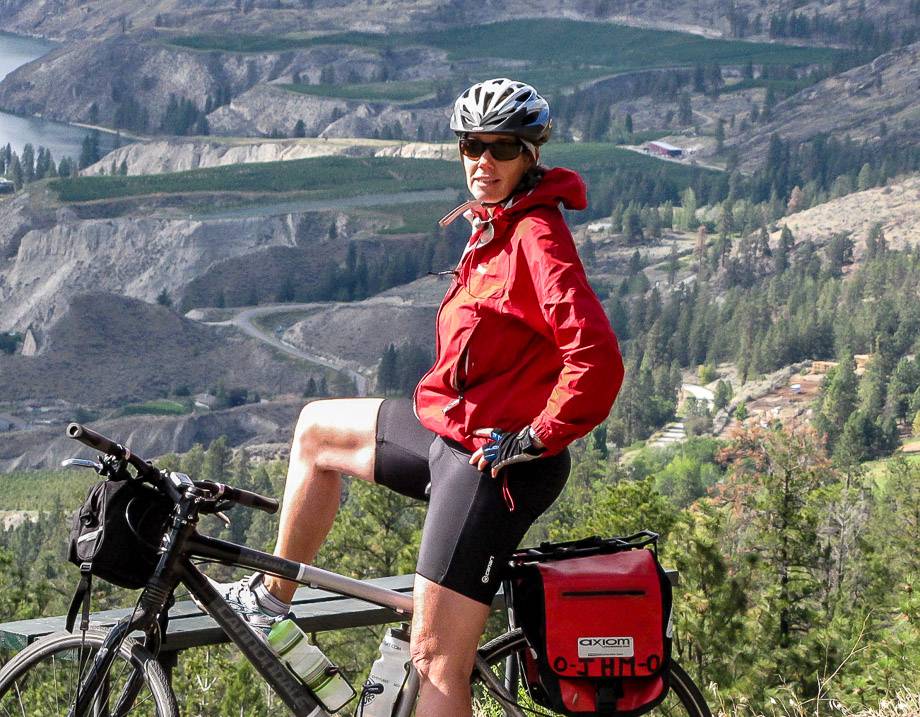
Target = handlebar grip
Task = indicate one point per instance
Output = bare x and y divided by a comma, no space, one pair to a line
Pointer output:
95,440
89,437
253,500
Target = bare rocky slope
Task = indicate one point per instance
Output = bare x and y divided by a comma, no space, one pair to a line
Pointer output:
896,207
119,53
144,246
143,67
178,155
855,103
77,19
151,436
108,350
372,325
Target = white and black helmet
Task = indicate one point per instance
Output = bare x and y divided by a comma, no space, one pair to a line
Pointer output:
503,106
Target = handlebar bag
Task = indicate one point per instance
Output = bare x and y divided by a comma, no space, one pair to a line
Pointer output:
597,615
117,532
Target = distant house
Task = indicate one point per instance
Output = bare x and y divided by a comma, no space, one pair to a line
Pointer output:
697,393
206,401
6,186
663,149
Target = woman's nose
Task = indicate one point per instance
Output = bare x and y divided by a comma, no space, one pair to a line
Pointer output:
487,158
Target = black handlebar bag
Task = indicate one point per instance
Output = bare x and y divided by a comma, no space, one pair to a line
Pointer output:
116,533
597,615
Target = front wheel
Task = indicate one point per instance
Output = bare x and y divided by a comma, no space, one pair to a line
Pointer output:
683,700
42,680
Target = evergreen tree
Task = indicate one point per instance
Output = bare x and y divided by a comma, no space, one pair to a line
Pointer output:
89,150
387,371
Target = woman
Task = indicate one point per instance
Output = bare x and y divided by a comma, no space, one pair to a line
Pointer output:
526,363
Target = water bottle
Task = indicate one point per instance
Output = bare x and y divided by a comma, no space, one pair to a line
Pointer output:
388,672
309,663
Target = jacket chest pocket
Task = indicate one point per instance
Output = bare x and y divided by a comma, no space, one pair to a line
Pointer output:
487,278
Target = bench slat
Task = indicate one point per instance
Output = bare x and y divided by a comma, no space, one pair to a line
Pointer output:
314,610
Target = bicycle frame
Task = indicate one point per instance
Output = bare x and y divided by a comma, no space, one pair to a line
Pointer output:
183,545
291,691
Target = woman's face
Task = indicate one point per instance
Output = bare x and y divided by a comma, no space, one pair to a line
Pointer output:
490,180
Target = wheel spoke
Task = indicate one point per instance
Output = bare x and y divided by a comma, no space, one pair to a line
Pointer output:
44,680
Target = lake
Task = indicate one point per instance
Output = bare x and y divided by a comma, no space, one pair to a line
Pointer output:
62,139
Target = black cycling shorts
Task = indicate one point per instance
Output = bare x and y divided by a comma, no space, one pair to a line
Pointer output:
469,531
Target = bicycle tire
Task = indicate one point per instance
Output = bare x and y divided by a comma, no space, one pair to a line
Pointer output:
685,699
41,680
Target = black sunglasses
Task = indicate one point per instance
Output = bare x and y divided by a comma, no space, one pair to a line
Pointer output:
502,151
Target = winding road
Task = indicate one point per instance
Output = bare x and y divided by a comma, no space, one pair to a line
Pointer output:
244,321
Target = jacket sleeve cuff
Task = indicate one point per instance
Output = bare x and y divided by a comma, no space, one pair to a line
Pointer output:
545,436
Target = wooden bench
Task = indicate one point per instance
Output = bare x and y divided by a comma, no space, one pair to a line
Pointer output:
314,610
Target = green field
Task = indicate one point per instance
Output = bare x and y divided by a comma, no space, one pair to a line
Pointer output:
614,47
161,407
340,177
40,490
318,178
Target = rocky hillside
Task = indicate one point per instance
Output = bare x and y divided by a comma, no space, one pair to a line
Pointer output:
108,350
51,255
135,76
372,325
77,19
252,425
896,207
178,155
867,102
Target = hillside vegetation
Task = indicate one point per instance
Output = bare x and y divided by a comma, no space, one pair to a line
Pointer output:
321,177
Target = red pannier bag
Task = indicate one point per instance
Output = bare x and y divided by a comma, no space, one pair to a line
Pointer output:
597,617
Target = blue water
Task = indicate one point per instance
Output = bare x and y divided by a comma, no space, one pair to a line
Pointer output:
62,139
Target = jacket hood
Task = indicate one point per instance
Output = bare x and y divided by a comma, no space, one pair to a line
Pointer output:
558,186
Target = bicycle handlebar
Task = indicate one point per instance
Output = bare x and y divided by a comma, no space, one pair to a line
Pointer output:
250,499
89,437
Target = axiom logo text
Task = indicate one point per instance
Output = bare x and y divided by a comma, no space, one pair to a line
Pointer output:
605,647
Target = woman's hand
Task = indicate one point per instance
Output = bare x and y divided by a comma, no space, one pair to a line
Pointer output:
504,449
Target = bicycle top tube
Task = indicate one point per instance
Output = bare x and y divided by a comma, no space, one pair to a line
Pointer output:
204,546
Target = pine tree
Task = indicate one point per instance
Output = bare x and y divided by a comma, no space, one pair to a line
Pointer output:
387,371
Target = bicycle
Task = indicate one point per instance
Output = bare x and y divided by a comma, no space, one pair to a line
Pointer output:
109,673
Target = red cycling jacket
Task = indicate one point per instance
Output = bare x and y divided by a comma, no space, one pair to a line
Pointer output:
521,337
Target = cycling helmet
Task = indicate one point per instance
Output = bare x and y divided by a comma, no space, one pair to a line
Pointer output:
503,106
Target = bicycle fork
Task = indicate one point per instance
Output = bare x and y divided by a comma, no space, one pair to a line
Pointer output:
92,686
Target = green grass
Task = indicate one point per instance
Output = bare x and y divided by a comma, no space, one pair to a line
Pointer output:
590,157
161,407
581,43
414,218
340,177
40,490
317,178
372,91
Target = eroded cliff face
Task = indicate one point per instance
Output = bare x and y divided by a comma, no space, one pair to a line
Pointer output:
178,155
92,81
132,256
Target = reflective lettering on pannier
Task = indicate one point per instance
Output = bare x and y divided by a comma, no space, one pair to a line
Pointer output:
605,647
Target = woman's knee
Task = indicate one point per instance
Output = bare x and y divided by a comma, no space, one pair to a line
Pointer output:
437,664
337,434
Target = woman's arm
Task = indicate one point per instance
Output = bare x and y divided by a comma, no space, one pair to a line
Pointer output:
592,370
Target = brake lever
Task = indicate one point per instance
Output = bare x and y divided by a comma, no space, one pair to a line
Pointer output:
81,463
223,517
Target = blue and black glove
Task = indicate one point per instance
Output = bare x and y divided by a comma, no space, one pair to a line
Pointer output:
506,449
